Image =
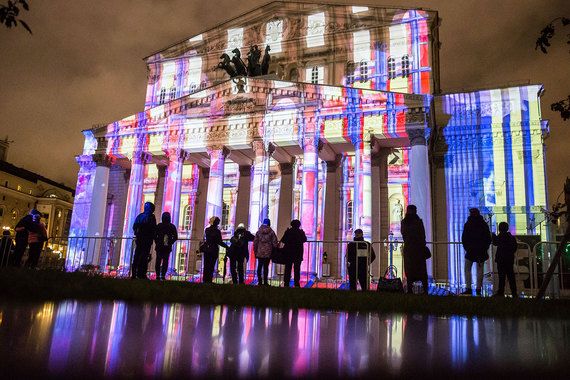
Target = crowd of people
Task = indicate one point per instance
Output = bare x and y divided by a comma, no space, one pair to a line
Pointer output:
476,240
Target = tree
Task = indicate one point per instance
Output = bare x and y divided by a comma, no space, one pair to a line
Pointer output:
9,14
543,42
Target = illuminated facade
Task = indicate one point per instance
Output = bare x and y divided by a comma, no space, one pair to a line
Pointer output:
348,127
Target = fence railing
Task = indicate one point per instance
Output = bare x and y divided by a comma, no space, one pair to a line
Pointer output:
324,263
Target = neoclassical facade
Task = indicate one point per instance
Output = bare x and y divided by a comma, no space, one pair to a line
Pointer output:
340,124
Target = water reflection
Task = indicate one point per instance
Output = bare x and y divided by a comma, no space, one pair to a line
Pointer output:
125,340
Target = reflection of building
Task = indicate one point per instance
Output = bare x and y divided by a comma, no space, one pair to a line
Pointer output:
349,116
22,190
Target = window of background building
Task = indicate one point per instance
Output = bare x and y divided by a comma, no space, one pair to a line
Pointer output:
363,71
349,73
162,96
172,93
391,68
315,74
315,30
405,66
274,35
225,215
187,218
349,215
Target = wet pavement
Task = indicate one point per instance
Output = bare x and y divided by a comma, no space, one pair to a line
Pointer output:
118,339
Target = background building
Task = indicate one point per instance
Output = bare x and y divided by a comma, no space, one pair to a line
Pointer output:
342,128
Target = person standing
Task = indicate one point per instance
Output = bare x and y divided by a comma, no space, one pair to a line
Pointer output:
506,248
213,238
476,239
358,263
6,248
145,230
414,236
263,244
293,240
22,230
36,238
239,252
166,235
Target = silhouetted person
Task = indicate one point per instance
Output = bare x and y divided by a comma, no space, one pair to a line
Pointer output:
213,238
165,237
476,239
293,239
22,230
505,258
36,238
239,252
357,258
414,236
145,230
263,244
6,247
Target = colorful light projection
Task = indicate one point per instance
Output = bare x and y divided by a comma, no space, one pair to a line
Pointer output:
494,160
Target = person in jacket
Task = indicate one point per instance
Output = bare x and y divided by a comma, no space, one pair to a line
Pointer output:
239,252
145,230
476,239
22,230
263,244
357,258
213,238
414,236
36,238
505,258
166,235
293,240
6,248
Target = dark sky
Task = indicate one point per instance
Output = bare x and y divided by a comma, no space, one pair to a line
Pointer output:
83,65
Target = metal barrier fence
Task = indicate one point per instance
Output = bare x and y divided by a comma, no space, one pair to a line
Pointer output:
324,263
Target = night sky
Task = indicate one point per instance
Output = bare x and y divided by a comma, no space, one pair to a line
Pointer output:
83,65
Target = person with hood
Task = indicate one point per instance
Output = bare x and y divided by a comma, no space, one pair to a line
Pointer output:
506,248
293,240
213,239
238,252
476,239
414,236
36,238
23,228
145,230
6,248
263,244
166,235
358,265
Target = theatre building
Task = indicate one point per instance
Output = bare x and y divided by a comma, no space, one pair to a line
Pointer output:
330,114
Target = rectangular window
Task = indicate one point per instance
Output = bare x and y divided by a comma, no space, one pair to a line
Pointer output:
359,9
274,35
315,74
194,73
316,30
235,40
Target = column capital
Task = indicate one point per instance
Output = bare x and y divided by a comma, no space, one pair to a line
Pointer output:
217,148
260,148
176,154
312,140
101,159
85,160
141,157
417,135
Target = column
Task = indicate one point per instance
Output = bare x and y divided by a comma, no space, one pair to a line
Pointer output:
134,206
420,185
285,198
259,192
309,200
215,195
243,192
172,193
362,185
97,209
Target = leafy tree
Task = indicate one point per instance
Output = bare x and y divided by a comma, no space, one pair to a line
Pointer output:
9,14
543,42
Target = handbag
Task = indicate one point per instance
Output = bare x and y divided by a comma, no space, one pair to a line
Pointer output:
390,285
278,255
427,252
203,247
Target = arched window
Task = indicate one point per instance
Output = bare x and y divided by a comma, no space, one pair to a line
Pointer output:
172,93
391,68
225,215
187,218
162,96
349,215
349,73
363,71
405,66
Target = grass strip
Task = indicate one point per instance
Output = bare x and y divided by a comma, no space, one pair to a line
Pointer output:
31,285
